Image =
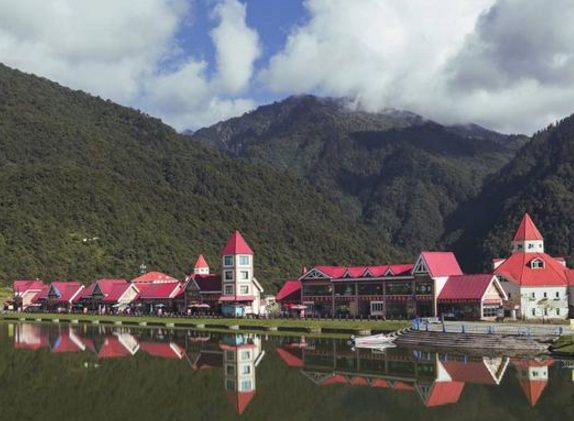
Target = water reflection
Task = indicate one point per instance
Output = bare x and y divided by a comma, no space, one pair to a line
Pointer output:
320,369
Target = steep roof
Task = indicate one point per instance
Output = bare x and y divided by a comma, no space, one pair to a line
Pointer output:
112,289
290,358
208,283
527,230
154,277
236,245
517,269
200,263
466,287
441,263
475,372
342,272
65,291
160,291
289,288
163,350
444,393
21,287
240,400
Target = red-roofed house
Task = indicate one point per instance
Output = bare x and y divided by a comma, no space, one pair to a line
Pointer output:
165,295
24,291
59,295
108,294
153,278
471,297
393,291
290,293
536,283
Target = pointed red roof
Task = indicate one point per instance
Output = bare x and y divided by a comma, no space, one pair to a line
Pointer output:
527,231
533,389
240,400
236,245
444,393
441,263
290,289
200,263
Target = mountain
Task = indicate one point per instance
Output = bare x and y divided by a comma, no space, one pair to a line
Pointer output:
91,189
539,180
399,173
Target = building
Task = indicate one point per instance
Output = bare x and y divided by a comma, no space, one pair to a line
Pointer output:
23,293
203,288
402,291
536,283
58,296
106,295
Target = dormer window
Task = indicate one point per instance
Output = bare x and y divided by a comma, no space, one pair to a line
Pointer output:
347,274
367,273
530,246
519,246
537,264
389,272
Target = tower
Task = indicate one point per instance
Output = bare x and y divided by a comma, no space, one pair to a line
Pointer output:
201,267
527,238
532,376
240,288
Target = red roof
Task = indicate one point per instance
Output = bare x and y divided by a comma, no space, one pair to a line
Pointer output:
65,291
41,295
403,386
200,263
160,291
112,289
444,393
358,381
290,289
154,277
533,389
64,343
208,283
466,287
527,231
240,400
441,263
290,359
163,350
334,379
517,269
342,272
236,245
21,287
384,383
113,348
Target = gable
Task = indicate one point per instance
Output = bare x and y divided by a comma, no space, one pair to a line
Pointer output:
420,267
314,274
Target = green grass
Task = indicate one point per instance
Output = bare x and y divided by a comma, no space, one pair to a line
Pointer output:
565,343
244,323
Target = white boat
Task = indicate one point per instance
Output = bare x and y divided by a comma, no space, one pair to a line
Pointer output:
373,341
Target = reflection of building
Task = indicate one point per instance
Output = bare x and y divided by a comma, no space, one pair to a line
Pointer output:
532,377
241,355
438,379
535,282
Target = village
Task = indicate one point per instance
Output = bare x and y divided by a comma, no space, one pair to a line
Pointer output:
528,284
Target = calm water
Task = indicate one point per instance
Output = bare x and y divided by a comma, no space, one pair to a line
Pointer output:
61,372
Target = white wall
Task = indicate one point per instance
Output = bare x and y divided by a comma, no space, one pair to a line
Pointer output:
534,305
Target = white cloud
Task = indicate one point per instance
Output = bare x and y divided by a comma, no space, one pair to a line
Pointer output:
115,49
496,62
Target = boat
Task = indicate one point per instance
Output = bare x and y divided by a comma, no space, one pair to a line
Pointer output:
373,342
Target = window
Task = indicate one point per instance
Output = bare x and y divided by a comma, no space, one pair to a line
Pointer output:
245,369
537,264
228,289
423,289
509,295
546,312
245,355
490,312
317,290
344,289
244,275
545,295
533,295
557,294
402,288
244,260
230,369
370,289
245,385
519,246
534,312
229,356
244,289
227,260
530,245
558,312
230,385
229,275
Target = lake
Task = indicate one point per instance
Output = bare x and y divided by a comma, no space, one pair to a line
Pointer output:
86,372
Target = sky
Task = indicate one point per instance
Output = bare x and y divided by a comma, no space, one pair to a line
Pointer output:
505,64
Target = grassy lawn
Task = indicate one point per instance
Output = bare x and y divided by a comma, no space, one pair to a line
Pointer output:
301,324
565,343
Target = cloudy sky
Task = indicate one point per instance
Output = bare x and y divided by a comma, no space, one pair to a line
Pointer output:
505,64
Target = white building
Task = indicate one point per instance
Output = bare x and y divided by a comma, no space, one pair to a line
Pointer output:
536,283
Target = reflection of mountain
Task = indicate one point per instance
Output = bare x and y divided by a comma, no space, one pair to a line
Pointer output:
438,378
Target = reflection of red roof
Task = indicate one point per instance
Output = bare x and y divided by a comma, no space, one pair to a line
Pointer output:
441,263
208,283
30,336
240,400
466,287
403,386
113,348
527,231
64,343
334,379
469,372
533,389
159,291
163,350
290,359
236,245
444,393
380,383
517,269
289,290
359,381
200,263
153,277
